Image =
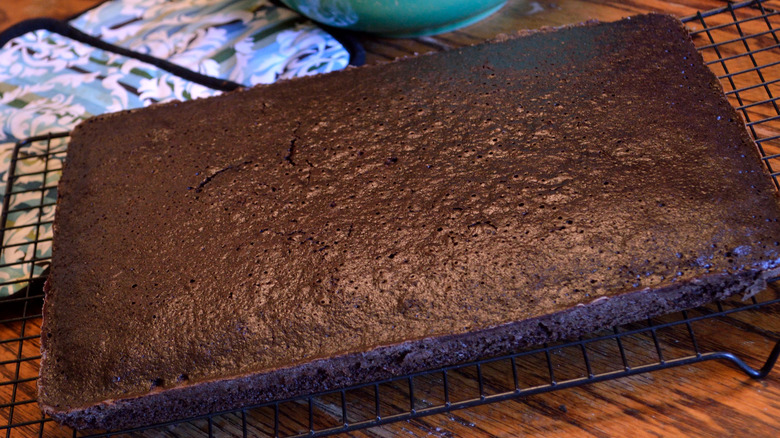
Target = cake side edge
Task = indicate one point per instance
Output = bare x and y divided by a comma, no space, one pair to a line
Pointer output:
412,356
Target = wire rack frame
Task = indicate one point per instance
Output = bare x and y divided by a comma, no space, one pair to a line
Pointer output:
744,96
21,313
752,87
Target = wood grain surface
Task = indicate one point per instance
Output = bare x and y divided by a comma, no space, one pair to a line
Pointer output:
14,11
706,399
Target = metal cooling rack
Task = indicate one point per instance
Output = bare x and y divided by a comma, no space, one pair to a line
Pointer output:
740,42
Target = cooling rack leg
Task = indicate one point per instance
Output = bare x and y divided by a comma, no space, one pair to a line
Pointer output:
756,374
770,361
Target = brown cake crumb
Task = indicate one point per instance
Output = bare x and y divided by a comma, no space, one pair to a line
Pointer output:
332,230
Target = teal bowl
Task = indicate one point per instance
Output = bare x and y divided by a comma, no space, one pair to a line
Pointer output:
396,18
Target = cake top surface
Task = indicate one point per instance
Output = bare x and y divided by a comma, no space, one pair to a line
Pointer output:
434,195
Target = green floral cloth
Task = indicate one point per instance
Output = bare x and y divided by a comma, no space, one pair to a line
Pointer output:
245,41
50,82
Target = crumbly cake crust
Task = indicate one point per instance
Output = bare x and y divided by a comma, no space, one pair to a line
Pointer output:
331,230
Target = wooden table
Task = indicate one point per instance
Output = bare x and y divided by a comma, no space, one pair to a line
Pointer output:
707,399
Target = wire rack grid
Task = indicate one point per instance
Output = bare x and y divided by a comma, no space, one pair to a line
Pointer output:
739,42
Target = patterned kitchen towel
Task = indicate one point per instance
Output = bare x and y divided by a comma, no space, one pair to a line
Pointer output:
127,54
243,42
246,41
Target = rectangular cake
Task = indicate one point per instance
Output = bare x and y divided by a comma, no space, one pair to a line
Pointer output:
337,229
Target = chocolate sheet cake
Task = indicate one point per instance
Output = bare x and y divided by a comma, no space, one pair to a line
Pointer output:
331,230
